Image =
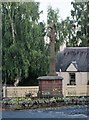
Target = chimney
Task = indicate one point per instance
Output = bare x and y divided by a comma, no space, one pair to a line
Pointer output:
62,46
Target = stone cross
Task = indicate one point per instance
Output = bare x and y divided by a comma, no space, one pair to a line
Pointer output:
52,71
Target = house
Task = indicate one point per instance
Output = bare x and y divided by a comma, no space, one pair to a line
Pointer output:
73,65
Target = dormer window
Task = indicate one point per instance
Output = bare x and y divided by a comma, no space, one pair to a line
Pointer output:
72,79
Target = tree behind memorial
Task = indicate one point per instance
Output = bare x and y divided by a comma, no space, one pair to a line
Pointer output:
23,45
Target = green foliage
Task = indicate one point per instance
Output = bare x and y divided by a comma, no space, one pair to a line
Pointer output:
23,47
78,24
73,30
25,53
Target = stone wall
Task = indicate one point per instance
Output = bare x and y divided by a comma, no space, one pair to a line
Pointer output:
78,90
50,87
20,91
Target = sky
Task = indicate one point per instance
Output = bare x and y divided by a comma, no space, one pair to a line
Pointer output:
64,7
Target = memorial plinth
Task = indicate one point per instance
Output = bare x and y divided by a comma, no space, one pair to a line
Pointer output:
51,85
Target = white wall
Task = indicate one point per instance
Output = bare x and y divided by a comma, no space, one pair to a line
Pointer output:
71,68
81,78
81,83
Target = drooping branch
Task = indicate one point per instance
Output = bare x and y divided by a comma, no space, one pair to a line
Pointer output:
13,31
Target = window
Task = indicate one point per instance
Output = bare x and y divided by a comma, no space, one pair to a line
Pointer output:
72,80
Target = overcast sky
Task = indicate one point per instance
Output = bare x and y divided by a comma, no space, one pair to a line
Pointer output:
64,7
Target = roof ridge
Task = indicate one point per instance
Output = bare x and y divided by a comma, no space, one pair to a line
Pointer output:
76,47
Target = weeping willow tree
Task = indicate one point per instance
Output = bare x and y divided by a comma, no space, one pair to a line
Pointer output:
23,45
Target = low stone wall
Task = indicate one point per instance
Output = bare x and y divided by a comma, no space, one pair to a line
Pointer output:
20,91
78,90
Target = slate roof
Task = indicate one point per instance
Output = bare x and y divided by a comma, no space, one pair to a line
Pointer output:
78,56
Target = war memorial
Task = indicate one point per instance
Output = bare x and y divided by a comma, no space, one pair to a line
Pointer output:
51,99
